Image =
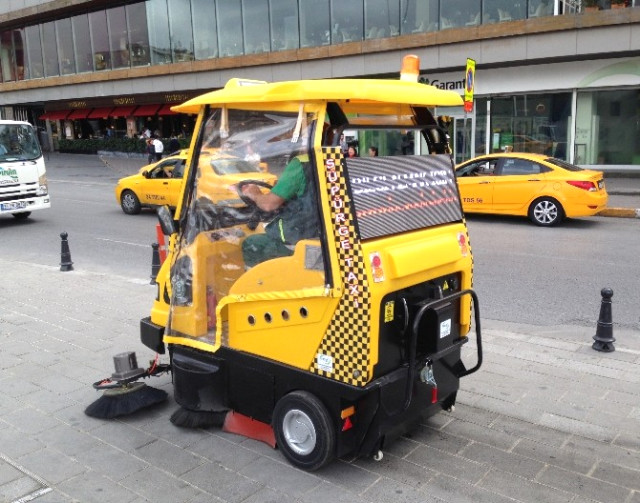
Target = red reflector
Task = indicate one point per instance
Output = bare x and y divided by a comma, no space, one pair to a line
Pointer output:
347,425
590,186
434,395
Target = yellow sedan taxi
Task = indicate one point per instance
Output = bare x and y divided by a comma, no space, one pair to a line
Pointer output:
543,188
158,184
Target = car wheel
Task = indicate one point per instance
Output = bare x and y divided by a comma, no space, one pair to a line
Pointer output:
130,203
22,216
304,431
546,212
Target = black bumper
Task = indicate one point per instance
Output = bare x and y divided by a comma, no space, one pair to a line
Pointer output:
151,335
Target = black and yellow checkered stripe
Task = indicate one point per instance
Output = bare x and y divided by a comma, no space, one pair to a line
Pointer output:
346,342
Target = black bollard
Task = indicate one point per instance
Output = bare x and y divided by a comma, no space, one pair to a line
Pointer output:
65,254
604,332
155,262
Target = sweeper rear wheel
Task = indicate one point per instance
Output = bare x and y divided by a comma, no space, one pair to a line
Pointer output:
304,430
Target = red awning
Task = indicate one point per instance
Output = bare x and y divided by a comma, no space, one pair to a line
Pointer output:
80,113
122,111
166,109
54,115
100,113
143,110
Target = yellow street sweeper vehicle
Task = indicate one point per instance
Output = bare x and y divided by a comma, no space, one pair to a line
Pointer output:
325,313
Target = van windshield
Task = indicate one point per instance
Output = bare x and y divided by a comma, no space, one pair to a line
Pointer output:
18,143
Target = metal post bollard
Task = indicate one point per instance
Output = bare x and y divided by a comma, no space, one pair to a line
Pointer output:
604,332
65,254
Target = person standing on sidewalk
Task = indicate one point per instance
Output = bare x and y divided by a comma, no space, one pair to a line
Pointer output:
158,147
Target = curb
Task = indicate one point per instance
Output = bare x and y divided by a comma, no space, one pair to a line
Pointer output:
620,212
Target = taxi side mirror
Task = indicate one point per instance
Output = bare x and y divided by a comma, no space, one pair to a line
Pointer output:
145,174
167,224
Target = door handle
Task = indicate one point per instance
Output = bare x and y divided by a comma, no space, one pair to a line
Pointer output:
483,183
533,180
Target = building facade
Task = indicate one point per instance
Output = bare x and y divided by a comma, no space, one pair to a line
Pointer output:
552,76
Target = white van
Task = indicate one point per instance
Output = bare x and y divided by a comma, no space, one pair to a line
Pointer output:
23,179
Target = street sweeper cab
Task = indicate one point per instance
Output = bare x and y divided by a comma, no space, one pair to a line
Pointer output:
325,313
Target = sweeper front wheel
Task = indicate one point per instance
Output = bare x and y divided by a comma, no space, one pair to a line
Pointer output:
304,430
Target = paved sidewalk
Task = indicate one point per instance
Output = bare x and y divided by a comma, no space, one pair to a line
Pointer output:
546,419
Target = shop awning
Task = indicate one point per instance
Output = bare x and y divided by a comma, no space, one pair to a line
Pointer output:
122,111
166,110
144,110
54,115
100,113
80,113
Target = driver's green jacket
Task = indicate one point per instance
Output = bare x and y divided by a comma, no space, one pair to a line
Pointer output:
293,181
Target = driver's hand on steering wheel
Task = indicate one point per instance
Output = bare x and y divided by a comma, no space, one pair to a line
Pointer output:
251,191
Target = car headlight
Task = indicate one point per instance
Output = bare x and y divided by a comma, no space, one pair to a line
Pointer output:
43,189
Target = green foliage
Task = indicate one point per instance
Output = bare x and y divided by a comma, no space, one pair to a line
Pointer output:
126,145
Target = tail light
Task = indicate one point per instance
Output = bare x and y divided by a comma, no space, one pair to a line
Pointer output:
588,186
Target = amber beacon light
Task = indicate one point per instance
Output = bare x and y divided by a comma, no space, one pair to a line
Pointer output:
410,68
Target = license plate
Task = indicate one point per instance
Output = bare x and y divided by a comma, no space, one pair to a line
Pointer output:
13,206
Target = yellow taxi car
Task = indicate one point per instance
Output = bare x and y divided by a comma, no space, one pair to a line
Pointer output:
159,183
543,188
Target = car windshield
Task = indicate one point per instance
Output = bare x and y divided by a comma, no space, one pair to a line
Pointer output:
18,143
231,166
563,164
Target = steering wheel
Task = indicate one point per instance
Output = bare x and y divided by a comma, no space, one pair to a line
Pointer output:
247,200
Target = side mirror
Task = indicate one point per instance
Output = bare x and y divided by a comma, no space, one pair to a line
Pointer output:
145,174
166,220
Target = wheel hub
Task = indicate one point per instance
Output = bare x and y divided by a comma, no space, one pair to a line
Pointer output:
299,432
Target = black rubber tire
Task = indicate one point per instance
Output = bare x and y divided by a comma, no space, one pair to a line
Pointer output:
546,212
130,203
22,216
302,414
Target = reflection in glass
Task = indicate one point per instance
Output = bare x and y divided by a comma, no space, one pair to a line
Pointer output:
256,33
82,43
346,21
100,40
456,13
35,66
138,34
7,57
181,32
205,30
50,50
65,46
158,24
19,49
495,11
314,23
284,25
229,27
380,16
118,43
419,16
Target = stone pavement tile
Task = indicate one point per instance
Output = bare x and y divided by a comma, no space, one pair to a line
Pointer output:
348,476
281,477
503,460
630,441
223,483
442,462
585,487
400,470
386,491
220,451
30,421
156,485
452,490
15,387
443,439
604,451
168,457
326,492
482,434
527,430
92,487
15,444
50,464
523,490
618,475
581,428
556,455
18,488
9,404
69,440
120,435
111,462
522,411
402,446
615,396
471,414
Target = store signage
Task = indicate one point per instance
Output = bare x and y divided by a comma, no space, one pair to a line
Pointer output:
451,85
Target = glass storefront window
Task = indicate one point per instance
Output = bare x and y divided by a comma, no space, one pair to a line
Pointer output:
118,42
50,46
346,21
205,30
35,65
158,25
495,11
100,40
537,123
459,13
7,57
254,14
418,16
284,25
607,127
229,27
539,8
181,32
379,15
65,46
82,43
138,34
314,23
19,49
